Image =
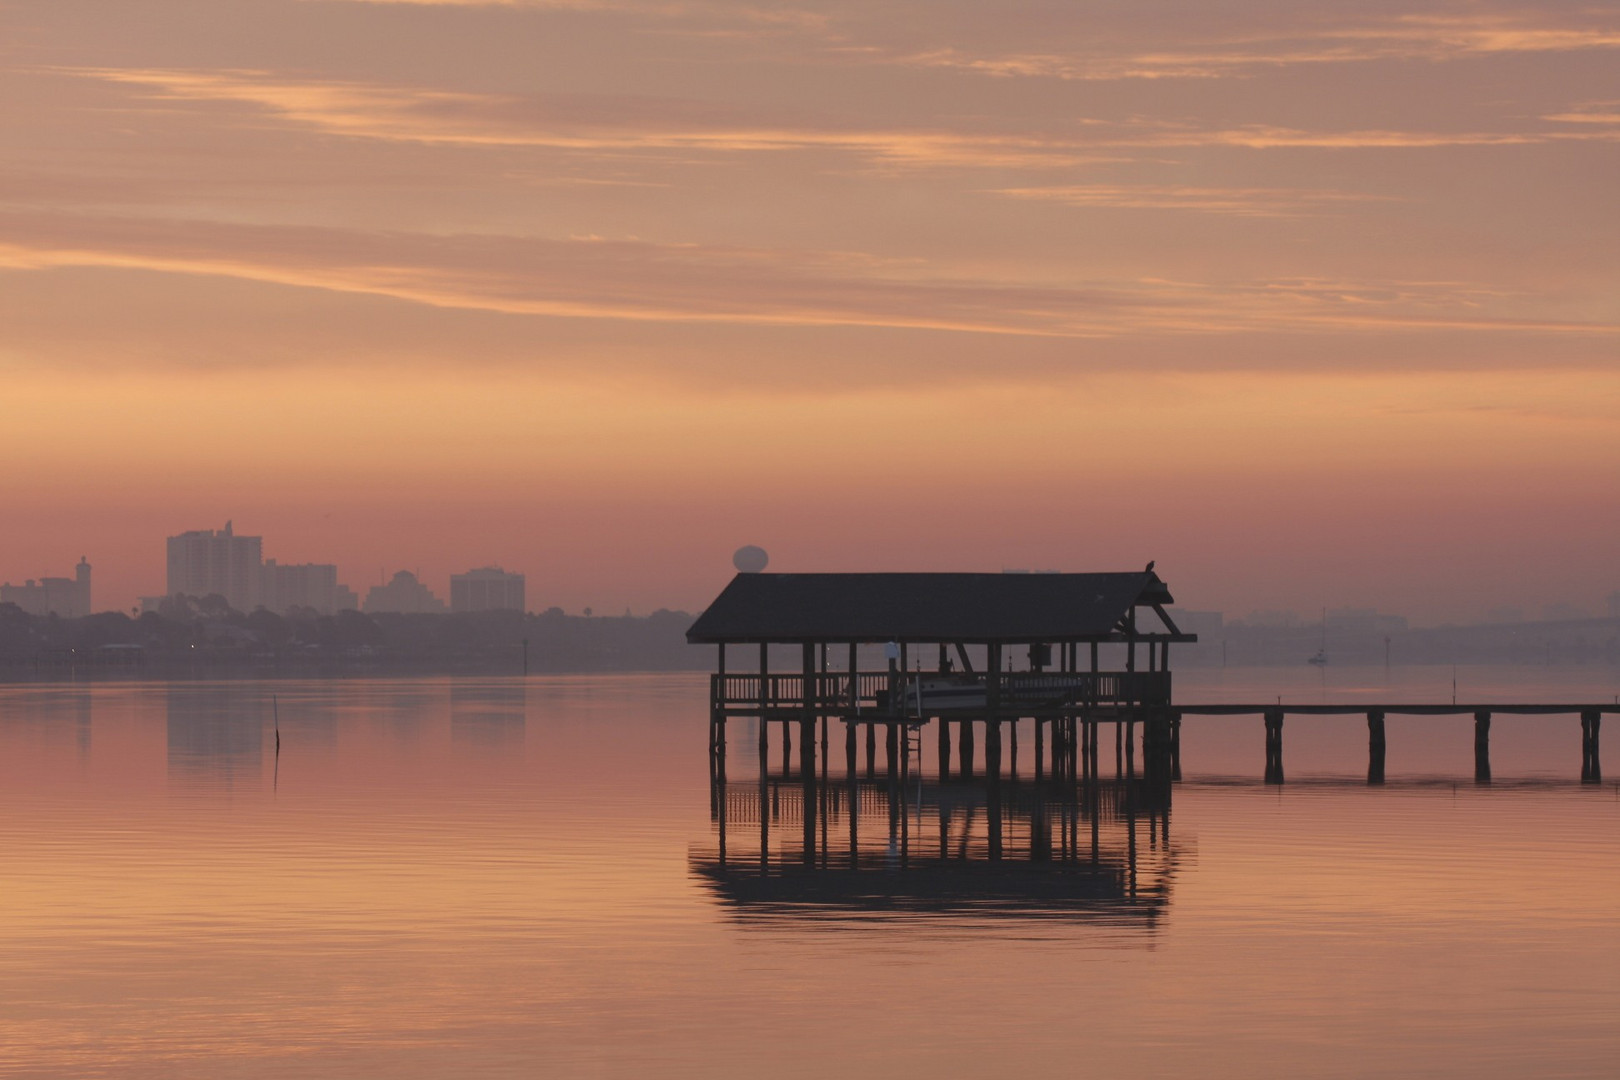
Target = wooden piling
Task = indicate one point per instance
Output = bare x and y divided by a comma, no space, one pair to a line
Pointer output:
1156,767
944,747
1375,746
1482,747
1175,748
1591,767
1274,754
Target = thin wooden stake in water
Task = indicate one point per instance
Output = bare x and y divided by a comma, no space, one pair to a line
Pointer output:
275,716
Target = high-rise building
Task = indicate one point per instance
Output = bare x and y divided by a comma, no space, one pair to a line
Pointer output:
488,588
68,598
305,585
405,595
204,562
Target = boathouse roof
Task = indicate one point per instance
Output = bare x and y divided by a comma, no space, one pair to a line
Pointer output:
932,607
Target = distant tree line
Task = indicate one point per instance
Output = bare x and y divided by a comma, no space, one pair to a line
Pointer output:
204,637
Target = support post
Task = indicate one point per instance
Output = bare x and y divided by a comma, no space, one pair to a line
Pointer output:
1375,746
965,761
1482,747
1156,759
992,719
1274,730
1591,767
1175,747
944,747
871,749
807,751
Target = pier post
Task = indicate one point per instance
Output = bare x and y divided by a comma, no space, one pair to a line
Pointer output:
809,701
1175,747
787,748
871,749
1156,768
1119,750
1040,747
851,761
1012,746
1591,767
1130,750
807,718
1482,747
1274,730
1375,746
891,747
966,760
992,718
944,747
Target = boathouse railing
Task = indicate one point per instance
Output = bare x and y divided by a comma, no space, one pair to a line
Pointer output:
876,690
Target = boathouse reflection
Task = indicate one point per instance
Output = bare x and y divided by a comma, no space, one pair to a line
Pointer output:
1066,846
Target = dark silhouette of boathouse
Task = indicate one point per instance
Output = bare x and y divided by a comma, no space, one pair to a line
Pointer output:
961,651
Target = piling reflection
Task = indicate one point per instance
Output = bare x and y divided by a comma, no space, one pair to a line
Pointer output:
991,847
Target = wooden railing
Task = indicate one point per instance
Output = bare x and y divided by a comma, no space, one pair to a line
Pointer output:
878,691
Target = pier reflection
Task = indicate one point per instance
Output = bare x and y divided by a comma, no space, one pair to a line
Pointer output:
1045,848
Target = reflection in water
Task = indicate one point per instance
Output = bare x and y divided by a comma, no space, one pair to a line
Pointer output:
488,713
783,848
216,732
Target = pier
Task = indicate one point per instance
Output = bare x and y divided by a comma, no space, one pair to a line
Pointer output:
979,658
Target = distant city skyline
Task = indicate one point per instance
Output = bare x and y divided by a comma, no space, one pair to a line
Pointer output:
327,587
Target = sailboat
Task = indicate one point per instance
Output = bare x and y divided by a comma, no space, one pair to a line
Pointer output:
1320,659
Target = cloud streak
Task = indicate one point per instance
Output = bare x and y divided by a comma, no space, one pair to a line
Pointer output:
645,282
1238,202
1428,38
604,127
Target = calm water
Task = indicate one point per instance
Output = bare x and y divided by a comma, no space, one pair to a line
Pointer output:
480,878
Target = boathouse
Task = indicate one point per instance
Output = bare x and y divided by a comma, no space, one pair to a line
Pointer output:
960,650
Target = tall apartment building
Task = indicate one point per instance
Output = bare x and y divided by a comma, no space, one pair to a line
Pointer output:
204,562
488,588
68,598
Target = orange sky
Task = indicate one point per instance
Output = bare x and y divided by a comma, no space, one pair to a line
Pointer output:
1315,307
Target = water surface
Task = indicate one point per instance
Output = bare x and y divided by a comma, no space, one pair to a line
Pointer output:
500,878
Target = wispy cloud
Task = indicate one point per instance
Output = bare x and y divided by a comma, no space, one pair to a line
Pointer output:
1413,37
1240,202
442,117
606,127
642,282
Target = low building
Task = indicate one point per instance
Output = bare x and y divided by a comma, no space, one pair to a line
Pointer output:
403,595
488,588
68,598
306,585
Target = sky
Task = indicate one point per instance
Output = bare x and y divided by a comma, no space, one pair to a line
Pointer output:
1316,305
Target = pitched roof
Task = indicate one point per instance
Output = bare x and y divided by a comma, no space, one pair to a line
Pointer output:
924,607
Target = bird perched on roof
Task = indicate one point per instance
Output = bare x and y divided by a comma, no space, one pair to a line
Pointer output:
1150,565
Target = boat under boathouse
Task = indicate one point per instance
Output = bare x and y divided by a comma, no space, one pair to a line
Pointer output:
1069,652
